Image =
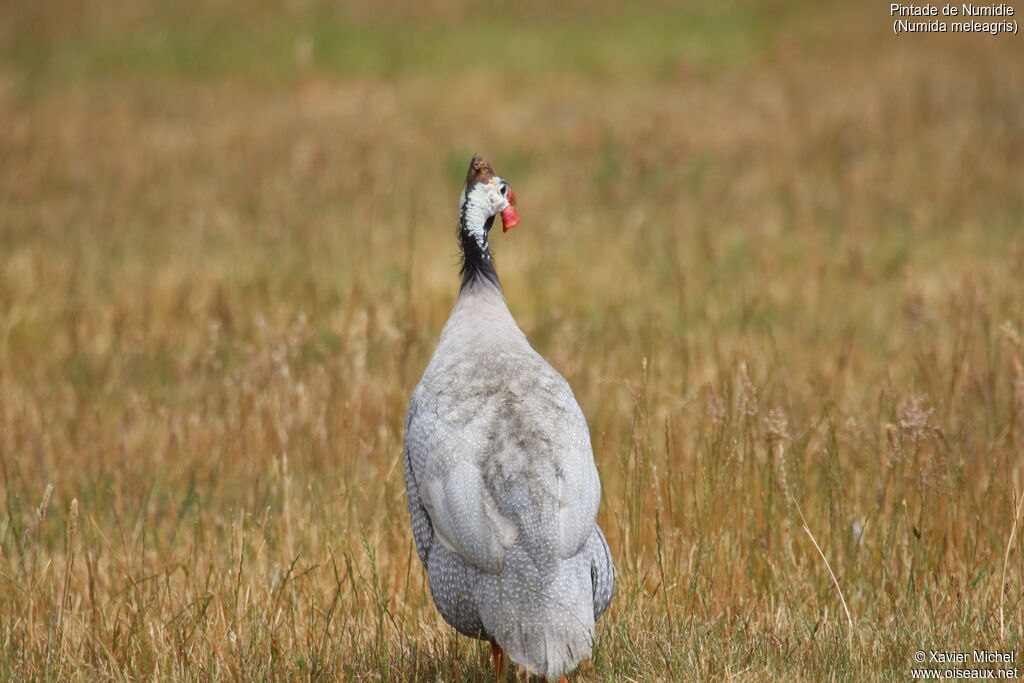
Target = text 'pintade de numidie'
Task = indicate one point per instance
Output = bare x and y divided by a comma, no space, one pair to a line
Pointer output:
953,18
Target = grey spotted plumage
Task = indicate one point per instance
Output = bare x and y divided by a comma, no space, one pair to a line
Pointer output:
502,488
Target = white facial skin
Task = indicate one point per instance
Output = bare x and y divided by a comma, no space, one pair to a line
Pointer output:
486,199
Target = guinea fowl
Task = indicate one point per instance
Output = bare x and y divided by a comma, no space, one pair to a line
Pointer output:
503,490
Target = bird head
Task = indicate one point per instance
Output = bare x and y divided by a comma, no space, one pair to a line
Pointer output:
489,195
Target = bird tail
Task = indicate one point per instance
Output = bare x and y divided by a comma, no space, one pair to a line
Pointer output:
545,626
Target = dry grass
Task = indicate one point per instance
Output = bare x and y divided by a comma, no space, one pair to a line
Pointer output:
776,251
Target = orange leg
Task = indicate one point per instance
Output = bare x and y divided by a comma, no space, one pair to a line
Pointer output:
499,659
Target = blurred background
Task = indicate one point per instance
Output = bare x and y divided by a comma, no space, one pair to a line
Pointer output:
776,250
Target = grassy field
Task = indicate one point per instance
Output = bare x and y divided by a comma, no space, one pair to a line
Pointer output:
776,250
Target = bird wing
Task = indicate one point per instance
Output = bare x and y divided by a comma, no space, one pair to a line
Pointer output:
498,460
602,572
422,529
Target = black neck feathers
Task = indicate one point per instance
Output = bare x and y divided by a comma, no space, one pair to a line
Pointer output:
477,264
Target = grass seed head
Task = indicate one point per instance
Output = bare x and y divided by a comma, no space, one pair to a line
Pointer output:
916,419
73,519
44,505
747,394
777,425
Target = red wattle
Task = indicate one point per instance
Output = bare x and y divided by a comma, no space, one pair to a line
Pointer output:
509,218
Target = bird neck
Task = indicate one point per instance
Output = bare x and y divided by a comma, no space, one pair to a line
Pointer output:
477,264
